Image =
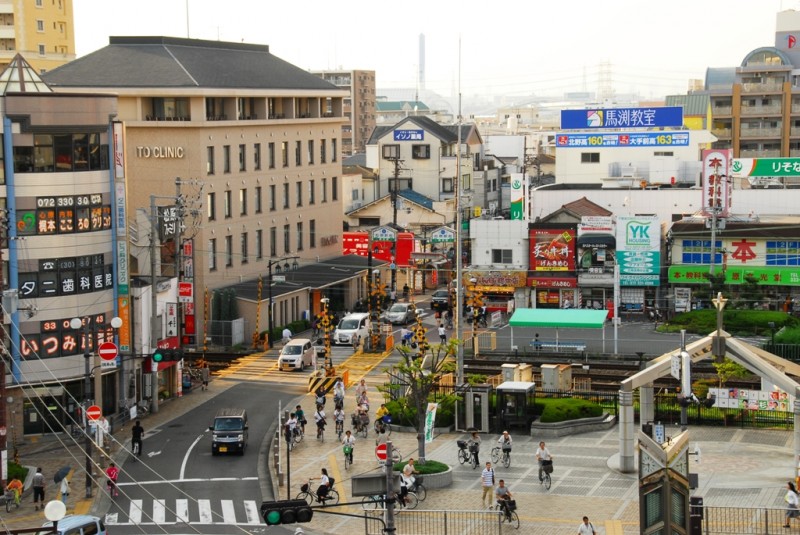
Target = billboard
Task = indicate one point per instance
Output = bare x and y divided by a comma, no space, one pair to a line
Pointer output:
552,249
517,196
716,186
622,117
612,140
638,250
358,243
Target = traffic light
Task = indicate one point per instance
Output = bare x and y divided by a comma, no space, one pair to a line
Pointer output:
159,355
286,512
167,355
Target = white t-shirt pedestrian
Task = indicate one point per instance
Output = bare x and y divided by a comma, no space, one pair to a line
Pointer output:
586,528
442,333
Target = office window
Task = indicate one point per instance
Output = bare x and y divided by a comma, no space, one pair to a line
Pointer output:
42,50
311,193
502,256
259,244
390,152
286,196
243,201
226,159
228,250
335,188
257,156
212,254
298,153
334,151
299,193
228,203
323,157
271,155
324,190
273,241
258,200
421,152
242,158
39,3
273,199
39,25
447,185
287,246
590,157
211,206
210,160
312,233
300,236
244,247
285,153
310,152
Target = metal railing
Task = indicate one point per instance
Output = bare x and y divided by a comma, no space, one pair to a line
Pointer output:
436,522
668,412
743,521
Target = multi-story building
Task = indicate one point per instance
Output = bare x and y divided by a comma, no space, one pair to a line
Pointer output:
60,296
359,107
254,140
756,105
40,30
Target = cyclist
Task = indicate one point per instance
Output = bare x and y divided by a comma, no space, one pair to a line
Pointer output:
15,485
301,419
324,484
380,418
408,471
338,394
320,395
349,441
542,454
319,417
475,446
503,495
112,472
405,484
338,418
505,442
137,433
361,391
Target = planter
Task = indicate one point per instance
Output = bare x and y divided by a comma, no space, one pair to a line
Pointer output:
573,427
438,481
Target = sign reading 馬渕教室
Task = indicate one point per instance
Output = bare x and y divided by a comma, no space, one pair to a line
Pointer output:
409,135
622,117
637,139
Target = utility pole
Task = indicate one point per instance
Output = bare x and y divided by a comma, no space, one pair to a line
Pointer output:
155,327
388,471
457,306
394,192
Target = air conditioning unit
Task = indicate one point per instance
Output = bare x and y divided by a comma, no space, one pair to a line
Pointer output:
356,205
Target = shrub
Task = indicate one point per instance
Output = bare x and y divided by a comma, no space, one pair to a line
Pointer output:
565,409
736,322
430,467
15,470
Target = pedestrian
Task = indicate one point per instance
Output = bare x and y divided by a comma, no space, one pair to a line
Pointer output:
204,373
64,490
405,336
442,334
393,296
792,503
487,485
38,489
406,291
112,472
137,433
356,341
102,430
586,527
287,335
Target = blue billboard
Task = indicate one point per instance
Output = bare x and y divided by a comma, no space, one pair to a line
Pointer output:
409,135
637,139
622,118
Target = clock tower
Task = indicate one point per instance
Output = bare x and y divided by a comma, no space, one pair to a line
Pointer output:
664,485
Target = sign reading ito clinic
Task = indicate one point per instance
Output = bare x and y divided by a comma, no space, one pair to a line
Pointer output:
144,151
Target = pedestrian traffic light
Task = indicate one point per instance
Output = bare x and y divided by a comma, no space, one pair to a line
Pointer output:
286,512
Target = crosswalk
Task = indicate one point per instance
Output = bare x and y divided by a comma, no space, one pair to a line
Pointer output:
184,511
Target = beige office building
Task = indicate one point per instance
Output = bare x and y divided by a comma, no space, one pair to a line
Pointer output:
359,106
41,30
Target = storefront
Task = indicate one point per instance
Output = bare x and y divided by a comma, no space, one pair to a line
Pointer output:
554,292
552,274
500,291
638,253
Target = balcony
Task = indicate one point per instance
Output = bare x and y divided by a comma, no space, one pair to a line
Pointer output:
722,133
762,110
752,153
750,133
794,131
721,111
768,87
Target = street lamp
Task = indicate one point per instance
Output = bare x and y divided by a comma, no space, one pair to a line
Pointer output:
286,267
89,339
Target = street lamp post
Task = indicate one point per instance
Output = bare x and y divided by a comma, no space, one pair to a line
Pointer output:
286,267
89,339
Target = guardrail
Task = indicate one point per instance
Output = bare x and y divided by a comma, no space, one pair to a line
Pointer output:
741,520
558,345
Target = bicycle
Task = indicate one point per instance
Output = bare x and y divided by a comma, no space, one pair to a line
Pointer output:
321,433
12,499
473,451
378,501
501,454
383,425
509,512
308,494
339,429
463,454
143,408
419,489
136,450
545,469
348,456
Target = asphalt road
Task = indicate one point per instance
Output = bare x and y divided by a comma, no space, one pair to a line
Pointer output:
181,488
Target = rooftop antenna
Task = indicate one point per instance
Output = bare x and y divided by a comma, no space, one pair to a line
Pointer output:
187,19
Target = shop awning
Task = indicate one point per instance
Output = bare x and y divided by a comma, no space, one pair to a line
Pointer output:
597,241
578,318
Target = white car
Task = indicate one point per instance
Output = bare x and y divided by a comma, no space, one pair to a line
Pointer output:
297,354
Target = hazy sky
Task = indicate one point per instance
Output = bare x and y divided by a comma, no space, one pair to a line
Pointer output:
514,47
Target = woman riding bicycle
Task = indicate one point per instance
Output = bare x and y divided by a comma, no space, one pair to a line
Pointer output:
505,442
15,486
338,394
338,418
381,418
348,442
324,485
543,455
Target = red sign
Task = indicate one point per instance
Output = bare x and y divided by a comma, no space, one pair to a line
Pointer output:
168,343
358,243
380,452
185,292
552,282
94,412
107,351
552,249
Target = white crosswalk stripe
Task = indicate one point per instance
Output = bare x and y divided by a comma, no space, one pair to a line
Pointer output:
185,511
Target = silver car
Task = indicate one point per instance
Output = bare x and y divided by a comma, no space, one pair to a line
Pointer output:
400,314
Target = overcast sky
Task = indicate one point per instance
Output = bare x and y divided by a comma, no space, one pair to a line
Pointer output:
513,47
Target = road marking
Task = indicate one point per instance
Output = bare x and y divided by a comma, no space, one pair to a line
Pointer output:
339,483
614,527
182,510
159,511
188,480
205,511
135,512
228,513
252,512
186,455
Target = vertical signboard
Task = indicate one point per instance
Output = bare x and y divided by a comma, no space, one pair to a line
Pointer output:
716,183
172,320
552,249
639,250
124,332
517,199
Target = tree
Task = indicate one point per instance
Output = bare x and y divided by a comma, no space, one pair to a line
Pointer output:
728,369
418,374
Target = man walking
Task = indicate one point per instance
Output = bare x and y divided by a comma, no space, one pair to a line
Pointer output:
487,485
442,334
38,489
204,373
137,433
586,527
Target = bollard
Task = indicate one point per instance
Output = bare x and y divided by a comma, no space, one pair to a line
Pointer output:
280,479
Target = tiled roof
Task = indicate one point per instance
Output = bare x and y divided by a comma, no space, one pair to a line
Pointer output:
176,62
695,104
408,194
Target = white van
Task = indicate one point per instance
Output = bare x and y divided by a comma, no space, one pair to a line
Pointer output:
76,525
297,354
355,323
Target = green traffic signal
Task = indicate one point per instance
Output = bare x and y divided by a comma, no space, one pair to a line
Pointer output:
158,356
286,512
273,517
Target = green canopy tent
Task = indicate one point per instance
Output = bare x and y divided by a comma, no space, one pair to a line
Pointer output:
574,318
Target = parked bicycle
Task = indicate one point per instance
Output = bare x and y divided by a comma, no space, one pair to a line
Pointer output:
463,453
308,494
501,454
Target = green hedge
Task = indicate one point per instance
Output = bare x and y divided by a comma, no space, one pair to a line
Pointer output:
15,470
555,410
430,467
296,327
736,322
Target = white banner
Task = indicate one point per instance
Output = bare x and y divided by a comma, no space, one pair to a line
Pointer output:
430,418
